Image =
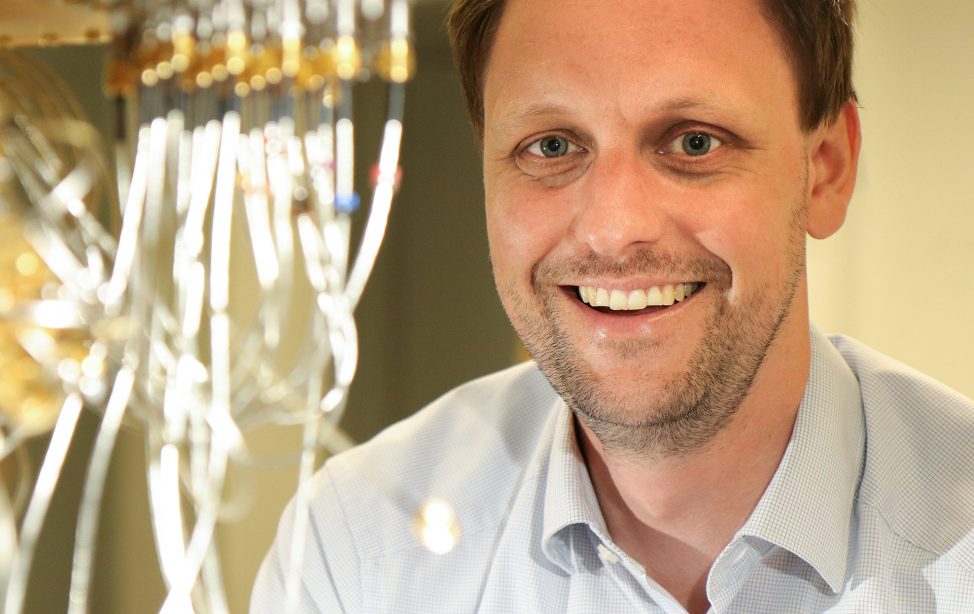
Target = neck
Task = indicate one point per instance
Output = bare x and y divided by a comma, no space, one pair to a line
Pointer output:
674,514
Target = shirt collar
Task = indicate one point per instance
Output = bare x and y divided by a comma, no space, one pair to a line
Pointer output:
808,506
569,498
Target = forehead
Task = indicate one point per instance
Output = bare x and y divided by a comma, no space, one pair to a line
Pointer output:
653,52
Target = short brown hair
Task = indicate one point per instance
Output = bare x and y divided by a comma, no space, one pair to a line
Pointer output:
817,34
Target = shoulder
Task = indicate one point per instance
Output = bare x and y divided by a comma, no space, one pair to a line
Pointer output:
918,474
886,380
471,447
476,447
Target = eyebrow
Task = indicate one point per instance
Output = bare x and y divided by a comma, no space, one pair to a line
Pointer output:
515,115
520,114
679,104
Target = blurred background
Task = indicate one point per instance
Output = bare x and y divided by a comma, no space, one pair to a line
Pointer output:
899,276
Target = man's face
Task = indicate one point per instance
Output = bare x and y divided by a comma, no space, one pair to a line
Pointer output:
636,152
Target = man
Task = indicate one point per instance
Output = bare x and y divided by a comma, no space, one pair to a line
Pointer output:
686,441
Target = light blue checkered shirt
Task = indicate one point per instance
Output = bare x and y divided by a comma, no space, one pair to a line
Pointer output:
871,509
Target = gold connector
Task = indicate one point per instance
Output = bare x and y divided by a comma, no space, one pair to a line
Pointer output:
396,61
121,78
347,58
237,53
31,391
184,51
291,57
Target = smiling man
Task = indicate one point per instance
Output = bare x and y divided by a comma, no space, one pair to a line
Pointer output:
685,440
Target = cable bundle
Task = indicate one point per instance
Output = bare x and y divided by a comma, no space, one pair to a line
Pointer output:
235,157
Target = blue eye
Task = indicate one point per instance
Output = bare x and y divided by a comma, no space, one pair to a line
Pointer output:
694,144
551,147
698,143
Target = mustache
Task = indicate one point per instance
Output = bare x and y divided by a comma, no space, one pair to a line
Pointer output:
646,261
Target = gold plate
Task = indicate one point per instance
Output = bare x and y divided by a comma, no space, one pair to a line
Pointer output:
51,22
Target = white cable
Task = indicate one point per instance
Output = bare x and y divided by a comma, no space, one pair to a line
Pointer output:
40,501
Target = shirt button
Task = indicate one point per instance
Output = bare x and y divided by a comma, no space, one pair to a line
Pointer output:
607,555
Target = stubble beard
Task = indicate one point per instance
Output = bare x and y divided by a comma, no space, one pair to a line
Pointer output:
693,406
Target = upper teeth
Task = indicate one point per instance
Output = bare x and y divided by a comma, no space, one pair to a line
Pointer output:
636,299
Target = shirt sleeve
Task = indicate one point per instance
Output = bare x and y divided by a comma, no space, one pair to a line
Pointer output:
329,576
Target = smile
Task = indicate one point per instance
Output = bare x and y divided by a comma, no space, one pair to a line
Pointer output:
632,300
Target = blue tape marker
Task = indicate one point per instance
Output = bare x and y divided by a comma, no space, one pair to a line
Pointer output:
347,203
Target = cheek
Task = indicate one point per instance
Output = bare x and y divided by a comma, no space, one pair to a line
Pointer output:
522,228
751,229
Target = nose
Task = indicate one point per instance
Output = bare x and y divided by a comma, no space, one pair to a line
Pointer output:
621,207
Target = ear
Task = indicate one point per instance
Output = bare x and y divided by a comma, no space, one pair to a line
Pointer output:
832,171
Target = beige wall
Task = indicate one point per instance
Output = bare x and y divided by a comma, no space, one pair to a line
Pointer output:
900,275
